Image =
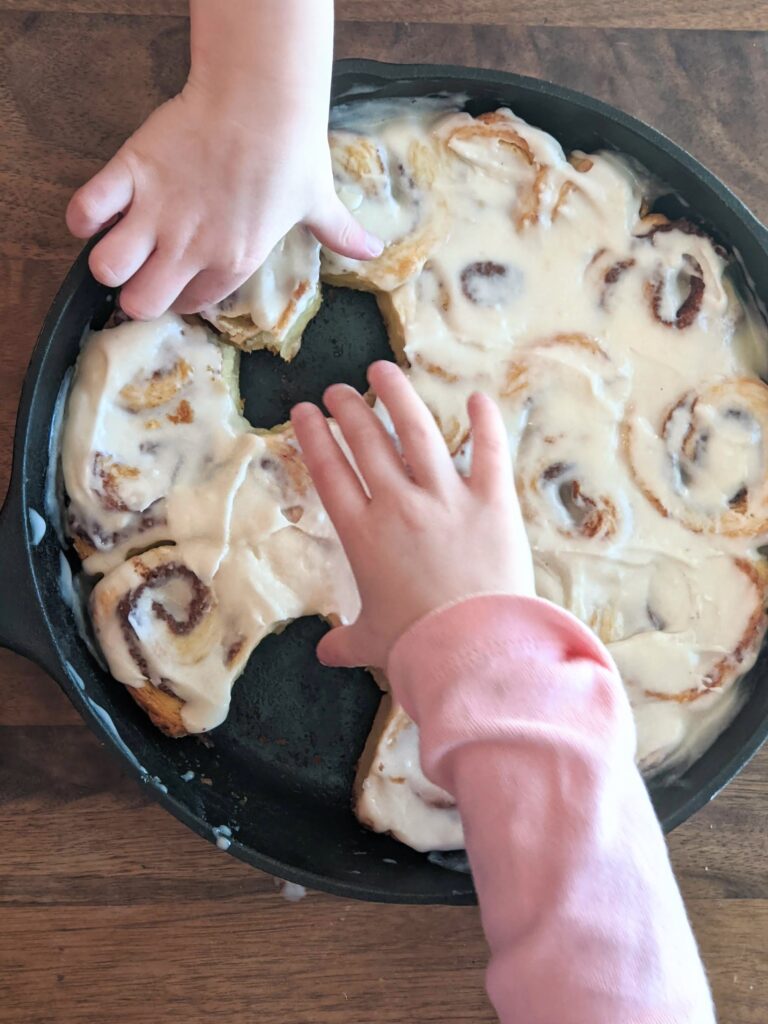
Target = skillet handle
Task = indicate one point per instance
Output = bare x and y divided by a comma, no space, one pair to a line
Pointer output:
21,626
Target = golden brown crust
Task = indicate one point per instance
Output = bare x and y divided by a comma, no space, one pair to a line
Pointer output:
348,279
399,262
241,331
156,390
366,759
163,708
356,157
83,548
393,325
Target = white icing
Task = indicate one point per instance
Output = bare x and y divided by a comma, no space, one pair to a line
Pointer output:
293,892
396,796
37,527
52,502
150,410
223,836
278,294
386,180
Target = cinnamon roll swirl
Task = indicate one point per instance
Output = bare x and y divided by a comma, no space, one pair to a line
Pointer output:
683,272
681,679
529,163
177,638
707,462
178,623
450,326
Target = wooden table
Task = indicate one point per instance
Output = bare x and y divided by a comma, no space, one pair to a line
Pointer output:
110,911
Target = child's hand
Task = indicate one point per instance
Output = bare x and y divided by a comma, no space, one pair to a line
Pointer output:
214,178
425,537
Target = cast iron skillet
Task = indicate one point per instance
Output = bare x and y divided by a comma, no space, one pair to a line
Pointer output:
279,772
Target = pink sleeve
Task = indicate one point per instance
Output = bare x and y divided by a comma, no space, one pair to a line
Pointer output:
524,720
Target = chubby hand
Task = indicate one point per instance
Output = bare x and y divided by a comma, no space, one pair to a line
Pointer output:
417,534
206,188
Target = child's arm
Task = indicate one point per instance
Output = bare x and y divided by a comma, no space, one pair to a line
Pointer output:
215,177
522,718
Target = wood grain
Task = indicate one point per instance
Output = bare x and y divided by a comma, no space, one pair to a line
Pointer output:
110,909
706,14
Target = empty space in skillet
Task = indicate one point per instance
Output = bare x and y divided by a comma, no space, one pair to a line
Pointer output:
279,772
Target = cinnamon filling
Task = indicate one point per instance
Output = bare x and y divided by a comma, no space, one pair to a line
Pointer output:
110,474
155,579
690,279
590,517
490,284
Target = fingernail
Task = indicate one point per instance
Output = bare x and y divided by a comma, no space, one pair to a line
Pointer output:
373,245
337,389
302,410
383,366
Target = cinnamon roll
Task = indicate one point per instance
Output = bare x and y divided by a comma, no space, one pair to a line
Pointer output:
272,308
536,176
681,679
151,407
451,326
706,463
176,637
605,270
392,793
389,182
573,397
681,632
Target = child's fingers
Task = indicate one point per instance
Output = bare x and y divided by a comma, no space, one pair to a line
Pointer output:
122,251
424,447
371,446
335,227
491,469
207,288
153,290
334,478
341,648
95,204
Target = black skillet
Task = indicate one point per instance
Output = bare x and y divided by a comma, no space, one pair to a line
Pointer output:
279,772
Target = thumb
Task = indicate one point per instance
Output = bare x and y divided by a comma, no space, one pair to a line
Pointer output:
341,648
335,228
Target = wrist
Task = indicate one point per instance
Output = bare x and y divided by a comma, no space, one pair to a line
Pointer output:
280,51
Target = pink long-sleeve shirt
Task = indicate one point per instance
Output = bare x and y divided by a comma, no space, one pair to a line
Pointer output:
523,719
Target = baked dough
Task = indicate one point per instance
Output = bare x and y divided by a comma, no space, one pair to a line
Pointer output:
272,308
